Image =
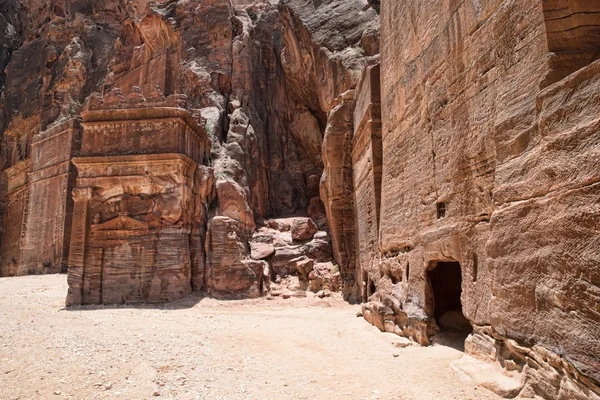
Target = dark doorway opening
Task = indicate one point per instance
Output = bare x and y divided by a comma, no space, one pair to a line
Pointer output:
445,279
372,288
365,287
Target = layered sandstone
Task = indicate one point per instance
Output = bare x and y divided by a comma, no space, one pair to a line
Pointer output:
137,200
327,46
261,79
488,187
230,272
366,173
248,148
50,208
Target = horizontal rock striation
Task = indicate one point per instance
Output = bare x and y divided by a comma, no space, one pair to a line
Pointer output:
139,200
488,188
444,171
244,88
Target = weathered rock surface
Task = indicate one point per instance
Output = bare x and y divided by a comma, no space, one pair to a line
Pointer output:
292,261
451,184
260,251
47,230
326,47
303,229
489,129
303,265
337,188
230,273
366,174
139,201
237,63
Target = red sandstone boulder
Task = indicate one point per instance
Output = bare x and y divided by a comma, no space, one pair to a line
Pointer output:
229,272
325,276
303,229
303,265
260,251
280,262
320,247
279,225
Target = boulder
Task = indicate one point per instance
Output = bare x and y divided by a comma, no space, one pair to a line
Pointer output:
260,251
303,265
282,257
303,229
320,250
279,225
324,276
229,272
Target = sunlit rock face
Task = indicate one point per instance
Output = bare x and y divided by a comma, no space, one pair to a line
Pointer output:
139,200
442,171
224,108
488,187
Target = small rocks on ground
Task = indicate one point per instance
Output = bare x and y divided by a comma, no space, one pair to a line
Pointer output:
401,342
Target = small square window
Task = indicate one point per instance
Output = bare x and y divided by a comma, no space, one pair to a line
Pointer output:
441,210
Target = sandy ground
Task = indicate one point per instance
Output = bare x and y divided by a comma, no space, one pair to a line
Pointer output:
205,349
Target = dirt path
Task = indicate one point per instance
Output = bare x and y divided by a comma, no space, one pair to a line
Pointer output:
204,349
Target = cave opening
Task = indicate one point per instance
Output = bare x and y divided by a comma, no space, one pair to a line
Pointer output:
365,288
59,12
441,210
393,278
372,288
445,281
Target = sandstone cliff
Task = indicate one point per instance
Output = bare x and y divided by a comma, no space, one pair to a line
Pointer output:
489,186
445,175
260,78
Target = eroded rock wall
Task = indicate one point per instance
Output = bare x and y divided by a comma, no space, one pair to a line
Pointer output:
489,167
327,46
469,155
366,174
140,201
261,78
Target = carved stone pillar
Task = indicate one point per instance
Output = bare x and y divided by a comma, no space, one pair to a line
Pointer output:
81,198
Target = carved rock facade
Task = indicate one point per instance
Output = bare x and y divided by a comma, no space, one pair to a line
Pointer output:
489,189
446,177
122,173
139,201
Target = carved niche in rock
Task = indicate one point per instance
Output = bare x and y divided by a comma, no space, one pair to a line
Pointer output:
140,202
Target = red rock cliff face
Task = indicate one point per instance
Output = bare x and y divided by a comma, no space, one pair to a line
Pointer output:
490,185
447,178
325,53
261,80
